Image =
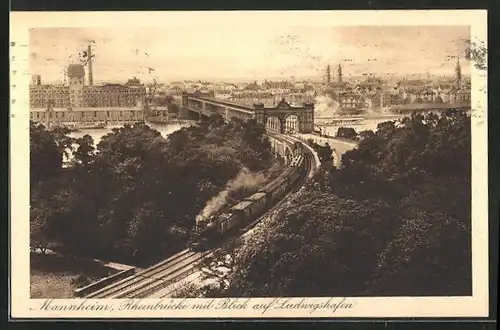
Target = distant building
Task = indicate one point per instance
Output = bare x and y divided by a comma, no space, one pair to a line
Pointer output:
459,95
41,95
77,102
64,117
252,87
36,80
175,91
76,95
350,101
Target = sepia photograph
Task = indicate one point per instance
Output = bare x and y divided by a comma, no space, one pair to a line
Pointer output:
291,167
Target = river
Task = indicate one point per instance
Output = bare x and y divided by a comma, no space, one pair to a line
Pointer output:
97,134
365,124
166,129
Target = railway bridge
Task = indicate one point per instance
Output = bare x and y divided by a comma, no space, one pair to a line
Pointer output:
284,149
282,118
159,280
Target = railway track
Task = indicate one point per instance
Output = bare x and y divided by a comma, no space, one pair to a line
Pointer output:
162,280
131,285
312,163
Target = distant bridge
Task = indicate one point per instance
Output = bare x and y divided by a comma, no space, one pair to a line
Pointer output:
283,118
429,107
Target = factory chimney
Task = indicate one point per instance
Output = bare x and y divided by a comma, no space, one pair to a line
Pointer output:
91,76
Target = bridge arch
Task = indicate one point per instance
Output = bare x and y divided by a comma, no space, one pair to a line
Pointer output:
297,148
275,147
292,124
273,123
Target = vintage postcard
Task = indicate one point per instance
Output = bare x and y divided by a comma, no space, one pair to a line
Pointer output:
249,164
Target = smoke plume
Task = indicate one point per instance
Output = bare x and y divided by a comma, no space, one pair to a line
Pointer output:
244,184
325,106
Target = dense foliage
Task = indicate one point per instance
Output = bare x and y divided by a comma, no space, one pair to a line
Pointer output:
394,220
134,196
325,153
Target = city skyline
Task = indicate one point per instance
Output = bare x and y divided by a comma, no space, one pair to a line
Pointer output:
244,54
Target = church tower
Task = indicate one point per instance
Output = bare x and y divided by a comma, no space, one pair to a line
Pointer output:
339,73
328,74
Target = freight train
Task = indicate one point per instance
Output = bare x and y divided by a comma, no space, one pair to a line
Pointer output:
209,232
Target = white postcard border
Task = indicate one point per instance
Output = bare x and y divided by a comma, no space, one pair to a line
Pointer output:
23,306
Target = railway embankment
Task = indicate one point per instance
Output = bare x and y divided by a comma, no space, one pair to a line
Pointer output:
164,275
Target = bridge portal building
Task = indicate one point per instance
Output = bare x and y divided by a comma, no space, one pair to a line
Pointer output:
284,118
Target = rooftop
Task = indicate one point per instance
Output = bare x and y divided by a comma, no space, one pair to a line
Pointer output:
76,70
256,196
241,206
89,109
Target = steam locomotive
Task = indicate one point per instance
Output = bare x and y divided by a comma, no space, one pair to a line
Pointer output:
207,233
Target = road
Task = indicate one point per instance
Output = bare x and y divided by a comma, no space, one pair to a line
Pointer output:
339,146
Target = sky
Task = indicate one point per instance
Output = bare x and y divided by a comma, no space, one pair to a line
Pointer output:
256,52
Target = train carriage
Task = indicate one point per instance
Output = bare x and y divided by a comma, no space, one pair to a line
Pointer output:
247,210
258,202
227,221
275,190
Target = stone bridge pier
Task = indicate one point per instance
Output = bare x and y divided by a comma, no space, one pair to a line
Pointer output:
284,150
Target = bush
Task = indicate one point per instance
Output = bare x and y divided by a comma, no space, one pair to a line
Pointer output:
80,281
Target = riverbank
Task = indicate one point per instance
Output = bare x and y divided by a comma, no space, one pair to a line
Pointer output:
366,123
98,133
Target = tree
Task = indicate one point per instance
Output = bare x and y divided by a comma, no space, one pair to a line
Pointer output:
366,134
39,230
63,141
394,220
429,255
325,153
137,194
45,154
309,243
85,150
52,203
215,120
